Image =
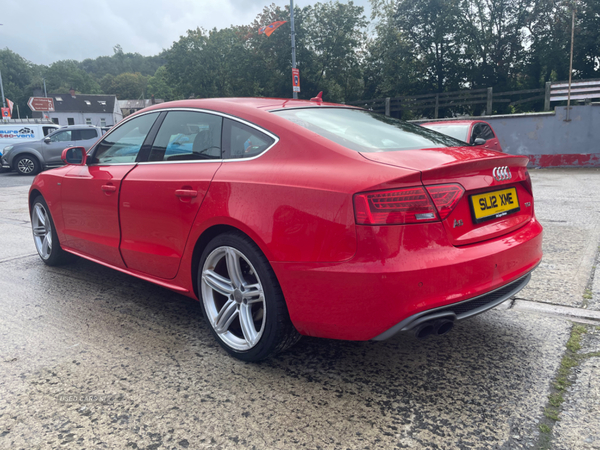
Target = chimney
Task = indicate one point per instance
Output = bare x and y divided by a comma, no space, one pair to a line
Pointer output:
72,92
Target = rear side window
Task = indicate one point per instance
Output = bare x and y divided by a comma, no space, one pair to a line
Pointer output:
84,135
124,143
365,131
244,141
188,136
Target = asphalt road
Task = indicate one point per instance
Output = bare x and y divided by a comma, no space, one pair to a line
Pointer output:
92,358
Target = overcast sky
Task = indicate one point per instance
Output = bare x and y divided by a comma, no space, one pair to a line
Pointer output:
43,31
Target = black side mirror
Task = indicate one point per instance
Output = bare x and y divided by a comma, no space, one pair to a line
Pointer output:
479,141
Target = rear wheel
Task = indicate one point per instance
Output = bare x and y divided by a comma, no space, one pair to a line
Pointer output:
242,300
45,237
27,165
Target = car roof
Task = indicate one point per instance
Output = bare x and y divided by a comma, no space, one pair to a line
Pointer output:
244,103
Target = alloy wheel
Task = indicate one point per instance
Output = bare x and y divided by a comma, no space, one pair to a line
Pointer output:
42,231
25,166
234,298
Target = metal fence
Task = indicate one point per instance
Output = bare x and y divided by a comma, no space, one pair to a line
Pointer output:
453,101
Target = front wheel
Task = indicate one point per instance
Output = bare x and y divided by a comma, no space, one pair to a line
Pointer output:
242,300
45,237
27,165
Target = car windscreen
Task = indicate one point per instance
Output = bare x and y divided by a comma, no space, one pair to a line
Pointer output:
458,131
365,131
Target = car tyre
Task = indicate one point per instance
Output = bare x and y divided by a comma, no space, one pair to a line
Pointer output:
27,165
45,237
242,300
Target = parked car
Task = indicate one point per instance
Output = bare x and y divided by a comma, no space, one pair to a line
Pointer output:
29,158
474,132
288,217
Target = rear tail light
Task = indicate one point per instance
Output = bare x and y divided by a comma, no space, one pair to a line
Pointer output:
410,205
445,197
527,183
394,207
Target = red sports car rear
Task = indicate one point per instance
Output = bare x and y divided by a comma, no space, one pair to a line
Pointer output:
290,217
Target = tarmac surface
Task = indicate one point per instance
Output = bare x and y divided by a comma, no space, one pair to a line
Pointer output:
92,358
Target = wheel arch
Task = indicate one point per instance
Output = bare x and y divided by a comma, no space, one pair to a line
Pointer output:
33,194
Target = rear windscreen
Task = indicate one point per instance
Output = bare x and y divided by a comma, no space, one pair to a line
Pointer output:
365,131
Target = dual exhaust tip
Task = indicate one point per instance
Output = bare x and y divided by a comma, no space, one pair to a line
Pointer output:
433,328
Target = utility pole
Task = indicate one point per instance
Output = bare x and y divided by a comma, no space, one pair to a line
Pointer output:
295,94
2,89
568,119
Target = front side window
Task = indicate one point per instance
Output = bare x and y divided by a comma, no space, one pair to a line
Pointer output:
125,142
61,136
245,141
188,136
457,131
365,131
48,130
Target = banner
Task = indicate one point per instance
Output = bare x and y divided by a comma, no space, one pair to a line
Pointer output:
6,113
268,30
295,80
10,105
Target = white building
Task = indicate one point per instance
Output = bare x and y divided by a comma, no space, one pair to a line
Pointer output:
77,109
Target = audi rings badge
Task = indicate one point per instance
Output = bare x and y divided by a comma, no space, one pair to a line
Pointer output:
502,173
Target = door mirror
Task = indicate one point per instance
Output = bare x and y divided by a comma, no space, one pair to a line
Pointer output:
46,139
75,156
479,141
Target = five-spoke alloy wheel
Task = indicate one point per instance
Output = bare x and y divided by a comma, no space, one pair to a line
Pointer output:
242,300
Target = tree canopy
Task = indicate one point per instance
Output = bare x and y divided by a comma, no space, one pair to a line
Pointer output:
407,47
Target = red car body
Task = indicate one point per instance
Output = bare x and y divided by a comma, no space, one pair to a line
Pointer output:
468,131
299,202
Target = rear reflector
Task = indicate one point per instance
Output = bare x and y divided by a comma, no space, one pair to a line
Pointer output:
445,197
394,207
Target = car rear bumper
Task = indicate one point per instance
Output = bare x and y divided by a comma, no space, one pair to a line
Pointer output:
400,273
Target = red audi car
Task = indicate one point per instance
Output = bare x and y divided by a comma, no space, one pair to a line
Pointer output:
289,217
475,132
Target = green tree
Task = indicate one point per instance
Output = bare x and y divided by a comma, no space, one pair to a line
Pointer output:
64,75
18,75
159,86
128,86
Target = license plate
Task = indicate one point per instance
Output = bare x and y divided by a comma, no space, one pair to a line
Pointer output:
493,205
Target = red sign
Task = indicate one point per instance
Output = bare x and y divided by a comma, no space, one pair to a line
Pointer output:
296,80
41,104
5,113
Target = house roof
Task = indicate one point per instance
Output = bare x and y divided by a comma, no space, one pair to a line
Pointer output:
84,103
138,104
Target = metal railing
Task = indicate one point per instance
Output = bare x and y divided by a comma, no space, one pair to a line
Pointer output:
552,92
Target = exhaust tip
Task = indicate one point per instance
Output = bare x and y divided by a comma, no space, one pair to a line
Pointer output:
443,326
424,330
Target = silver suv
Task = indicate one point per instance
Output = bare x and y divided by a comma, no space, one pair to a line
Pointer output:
29,158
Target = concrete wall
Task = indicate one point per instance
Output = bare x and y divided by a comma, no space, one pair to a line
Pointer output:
548,140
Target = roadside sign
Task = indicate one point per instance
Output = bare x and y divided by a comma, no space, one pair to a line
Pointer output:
5,113
41,104
296,80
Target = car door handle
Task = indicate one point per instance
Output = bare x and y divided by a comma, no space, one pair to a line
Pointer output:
186,193
108,188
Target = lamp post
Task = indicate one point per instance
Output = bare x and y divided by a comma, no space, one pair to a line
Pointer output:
295,94
568,119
